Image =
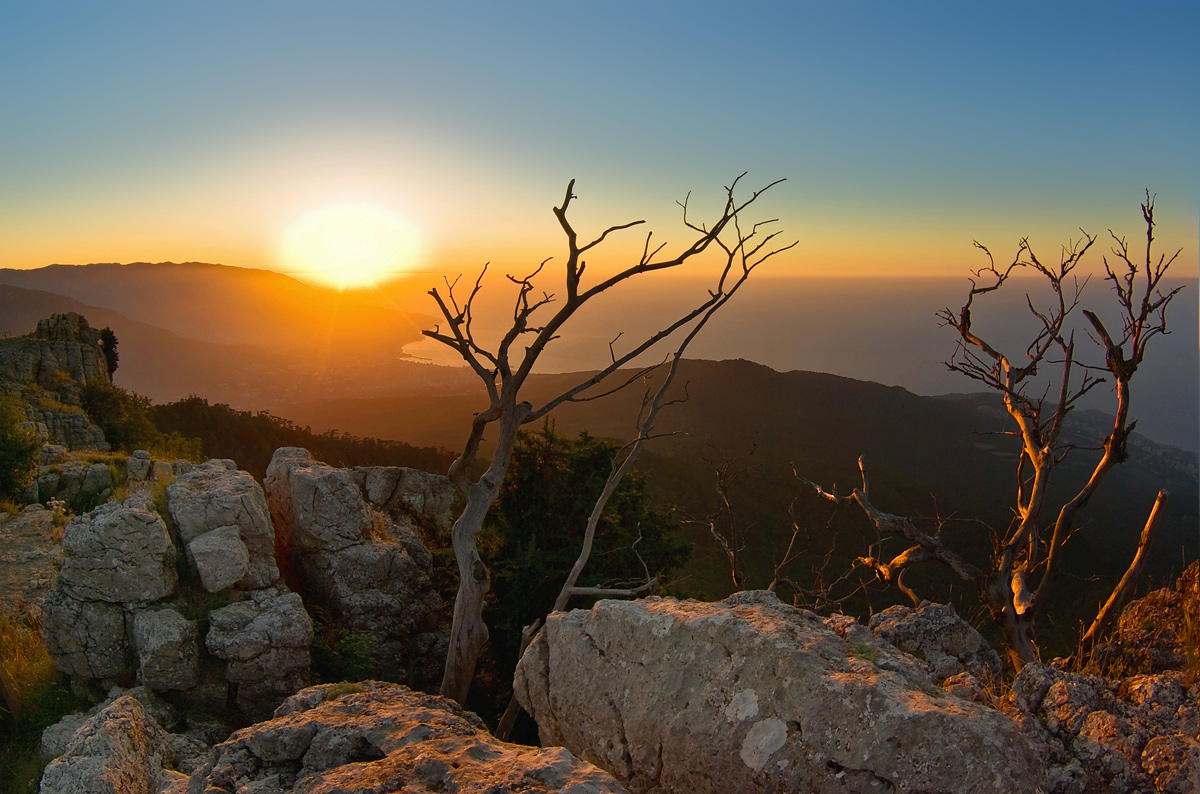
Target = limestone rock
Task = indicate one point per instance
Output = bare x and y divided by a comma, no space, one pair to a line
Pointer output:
1147,640
118,751
936,634
265,641
86,639
168,655
215,495
117,554
428,499
46,369
75,482
1134,735
386,738
753,695
137,466
220,557
28,555
369,570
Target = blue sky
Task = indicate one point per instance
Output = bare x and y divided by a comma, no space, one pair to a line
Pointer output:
153,131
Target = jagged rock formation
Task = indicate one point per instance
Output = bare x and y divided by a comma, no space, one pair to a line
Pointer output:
117,610
935,634
1150,632
350,540
28,556
749,694
1109,737
386,739
265,641
122,746
115,559
46,370
224,524
118,751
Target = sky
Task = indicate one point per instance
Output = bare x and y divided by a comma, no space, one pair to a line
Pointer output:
151,131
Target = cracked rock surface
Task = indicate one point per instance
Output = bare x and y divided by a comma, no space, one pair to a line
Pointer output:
215,497
385,739
350,539
750,694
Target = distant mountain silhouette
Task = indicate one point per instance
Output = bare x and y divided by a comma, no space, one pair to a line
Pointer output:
230,305
250,338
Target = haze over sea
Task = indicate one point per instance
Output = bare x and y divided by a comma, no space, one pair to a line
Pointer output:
879,329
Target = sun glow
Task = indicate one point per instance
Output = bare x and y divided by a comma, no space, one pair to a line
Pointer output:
350,245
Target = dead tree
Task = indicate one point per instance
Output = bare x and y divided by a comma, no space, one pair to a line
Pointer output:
505,369
1017,584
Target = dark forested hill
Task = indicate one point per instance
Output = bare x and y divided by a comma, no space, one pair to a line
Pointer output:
925,455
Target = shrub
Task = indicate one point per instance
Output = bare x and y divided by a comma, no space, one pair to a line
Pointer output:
123,416
18,450
44,699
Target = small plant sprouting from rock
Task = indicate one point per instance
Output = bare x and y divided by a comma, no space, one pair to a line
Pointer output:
865,652
342,688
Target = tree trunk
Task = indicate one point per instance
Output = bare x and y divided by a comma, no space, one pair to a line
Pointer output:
468,632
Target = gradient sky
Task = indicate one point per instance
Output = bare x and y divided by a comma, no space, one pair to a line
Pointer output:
199,131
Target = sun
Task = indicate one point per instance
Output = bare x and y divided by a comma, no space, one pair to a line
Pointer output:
350,245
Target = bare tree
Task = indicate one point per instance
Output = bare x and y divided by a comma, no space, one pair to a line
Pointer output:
1017,583
505,369
722,522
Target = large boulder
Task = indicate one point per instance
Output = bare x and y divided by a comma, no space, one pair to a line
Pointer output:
216,497
117,554
936,634
265,641
378,737
118,751
115,558
86,639
752,695
365,565
167,651
121,745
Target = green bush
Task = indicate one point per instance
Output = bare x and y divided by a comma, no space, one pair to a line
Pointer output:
123,416
534,534
18,450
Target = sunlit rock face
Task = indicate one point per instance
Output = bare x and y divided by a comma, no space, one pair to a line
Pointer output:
378,737
46,370
749,694
350,540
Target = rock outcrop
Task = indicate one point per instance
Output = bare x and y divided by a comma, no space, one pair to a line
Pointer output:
224,524
350,540
385,738
47,369
231,633
935,634
118,751
1108,737
121,746
265,641
1149,634
752,695
115,559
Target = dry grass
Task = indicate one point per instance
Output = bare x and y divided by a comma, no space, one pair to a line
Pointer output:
41,696
1189,629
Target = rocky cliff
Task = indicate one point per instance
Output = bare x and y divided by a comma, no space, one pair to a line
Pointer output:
46,370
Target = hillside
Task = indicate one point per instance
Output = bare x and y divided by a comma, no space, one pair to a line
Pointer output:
165,365
229,305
